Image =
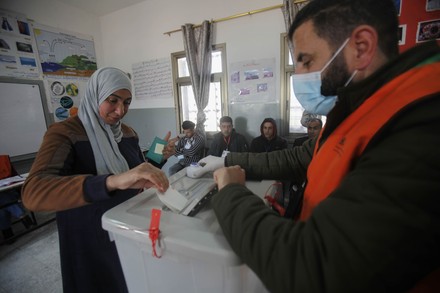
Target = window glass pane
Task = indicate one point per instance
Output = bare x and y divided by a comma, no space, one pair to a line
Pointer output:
182,67
296,111
212,110
216,64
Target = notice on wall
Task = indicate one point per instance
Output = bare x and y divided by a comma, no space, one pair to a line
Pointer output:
18,52
252,82
152,80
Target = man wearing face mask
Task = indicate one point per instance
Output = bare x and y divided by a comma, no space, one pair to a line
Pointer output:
370,217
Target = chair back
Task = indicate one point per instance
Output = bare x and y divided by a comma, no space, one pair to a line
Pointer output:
6,168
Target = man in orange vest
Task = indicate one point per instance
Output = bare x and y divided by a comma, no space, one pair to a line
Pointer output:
370,217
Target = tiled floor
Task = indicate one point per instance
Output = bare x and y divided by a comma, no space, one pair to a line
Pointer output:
32,262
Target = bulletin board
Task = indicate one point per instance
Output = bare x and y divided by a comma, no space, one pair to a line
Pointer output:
419,22
23,116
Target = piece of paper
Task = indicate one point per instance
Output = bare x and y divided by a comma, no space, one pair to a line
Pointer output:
11,180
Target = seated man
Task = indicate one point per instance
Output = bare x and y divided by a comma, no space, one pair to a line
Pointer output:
189,148
314,126
227,140
269,140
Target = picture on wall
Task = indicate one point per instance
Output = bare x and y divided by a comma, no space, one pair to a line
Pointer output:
432,5
402,34
428,30
398,4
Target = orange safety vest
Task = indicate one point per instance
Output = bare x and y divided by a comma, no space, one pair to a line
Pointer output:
333,160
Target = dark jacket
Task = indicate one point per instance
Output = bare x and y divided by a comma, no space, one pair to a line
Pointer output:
237,143
379,231
261,144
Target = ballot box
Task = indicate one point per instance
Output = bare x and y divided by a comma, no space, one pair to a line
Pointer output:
195,256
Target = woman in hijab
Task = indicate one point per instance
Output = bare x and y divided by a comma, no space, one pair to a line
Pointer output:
86,165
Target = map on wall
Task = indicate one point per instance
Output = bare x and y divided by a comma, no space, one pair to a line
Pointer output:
65,54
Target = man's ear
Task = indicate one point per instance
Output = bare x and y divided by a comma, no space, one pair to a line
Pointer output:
364,44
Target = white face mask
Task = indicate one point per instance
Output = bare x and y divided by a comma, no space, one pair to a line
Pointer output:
307,88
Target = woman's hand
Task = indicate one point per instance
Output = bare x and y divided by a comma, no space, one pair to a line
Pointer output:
228,175
144,175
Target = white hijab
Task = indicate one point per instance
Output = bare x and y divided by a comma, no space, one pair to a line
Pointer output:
103,137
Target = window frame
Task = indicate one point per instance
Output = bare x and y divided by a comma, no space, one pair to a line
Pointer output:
287,70
178,82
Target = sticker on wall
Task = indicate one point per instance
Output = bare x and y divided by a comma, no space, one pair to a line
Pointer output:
72,89
73,111
57,88
428,30
61,113
66,102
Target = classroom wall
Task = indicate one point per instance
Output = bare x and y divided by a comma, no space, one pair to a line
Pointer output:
135,34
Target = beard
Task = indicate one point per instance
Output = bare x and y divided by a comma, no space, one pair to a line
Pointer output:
335,76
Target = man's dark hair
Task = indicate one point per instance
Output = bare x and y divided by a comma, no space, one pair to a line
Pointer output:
274,125
188,125
334,20
225,119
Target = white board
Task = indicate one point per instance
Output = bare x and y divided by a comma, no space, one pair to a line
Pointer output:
22,117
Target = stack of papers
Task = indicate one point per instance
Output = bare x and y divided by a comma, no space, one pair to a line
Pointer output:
11,180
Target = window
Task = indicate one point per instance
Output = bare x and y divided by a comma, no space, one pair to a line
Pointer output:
184,95
292,113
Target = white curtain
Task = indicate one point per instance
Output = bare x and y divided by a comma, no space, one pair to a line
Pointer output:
198,48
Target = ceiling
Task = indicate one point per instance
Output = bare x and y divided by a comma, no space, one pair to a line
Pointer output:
101,7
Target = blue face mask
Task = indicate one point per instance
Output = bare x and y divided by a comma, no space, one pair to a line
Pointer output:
307,88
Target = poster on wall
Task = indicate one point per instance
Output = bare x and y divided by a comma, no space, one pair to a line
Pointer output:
18,52
428,30
402,34
64,96
65,54
432,5
398,4
152,80
252,82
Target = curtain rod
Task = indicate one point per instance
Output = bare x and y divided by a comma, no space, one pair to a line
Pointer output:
238,15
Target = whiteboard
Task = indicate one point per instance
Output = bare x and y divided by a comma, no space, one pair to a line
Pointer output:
23,116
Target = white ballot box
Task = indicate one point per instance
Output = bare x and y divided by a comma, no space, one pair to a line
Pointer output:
195,256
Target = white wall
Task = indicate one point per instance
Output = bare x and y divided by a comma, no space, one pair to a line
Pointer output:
136,34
